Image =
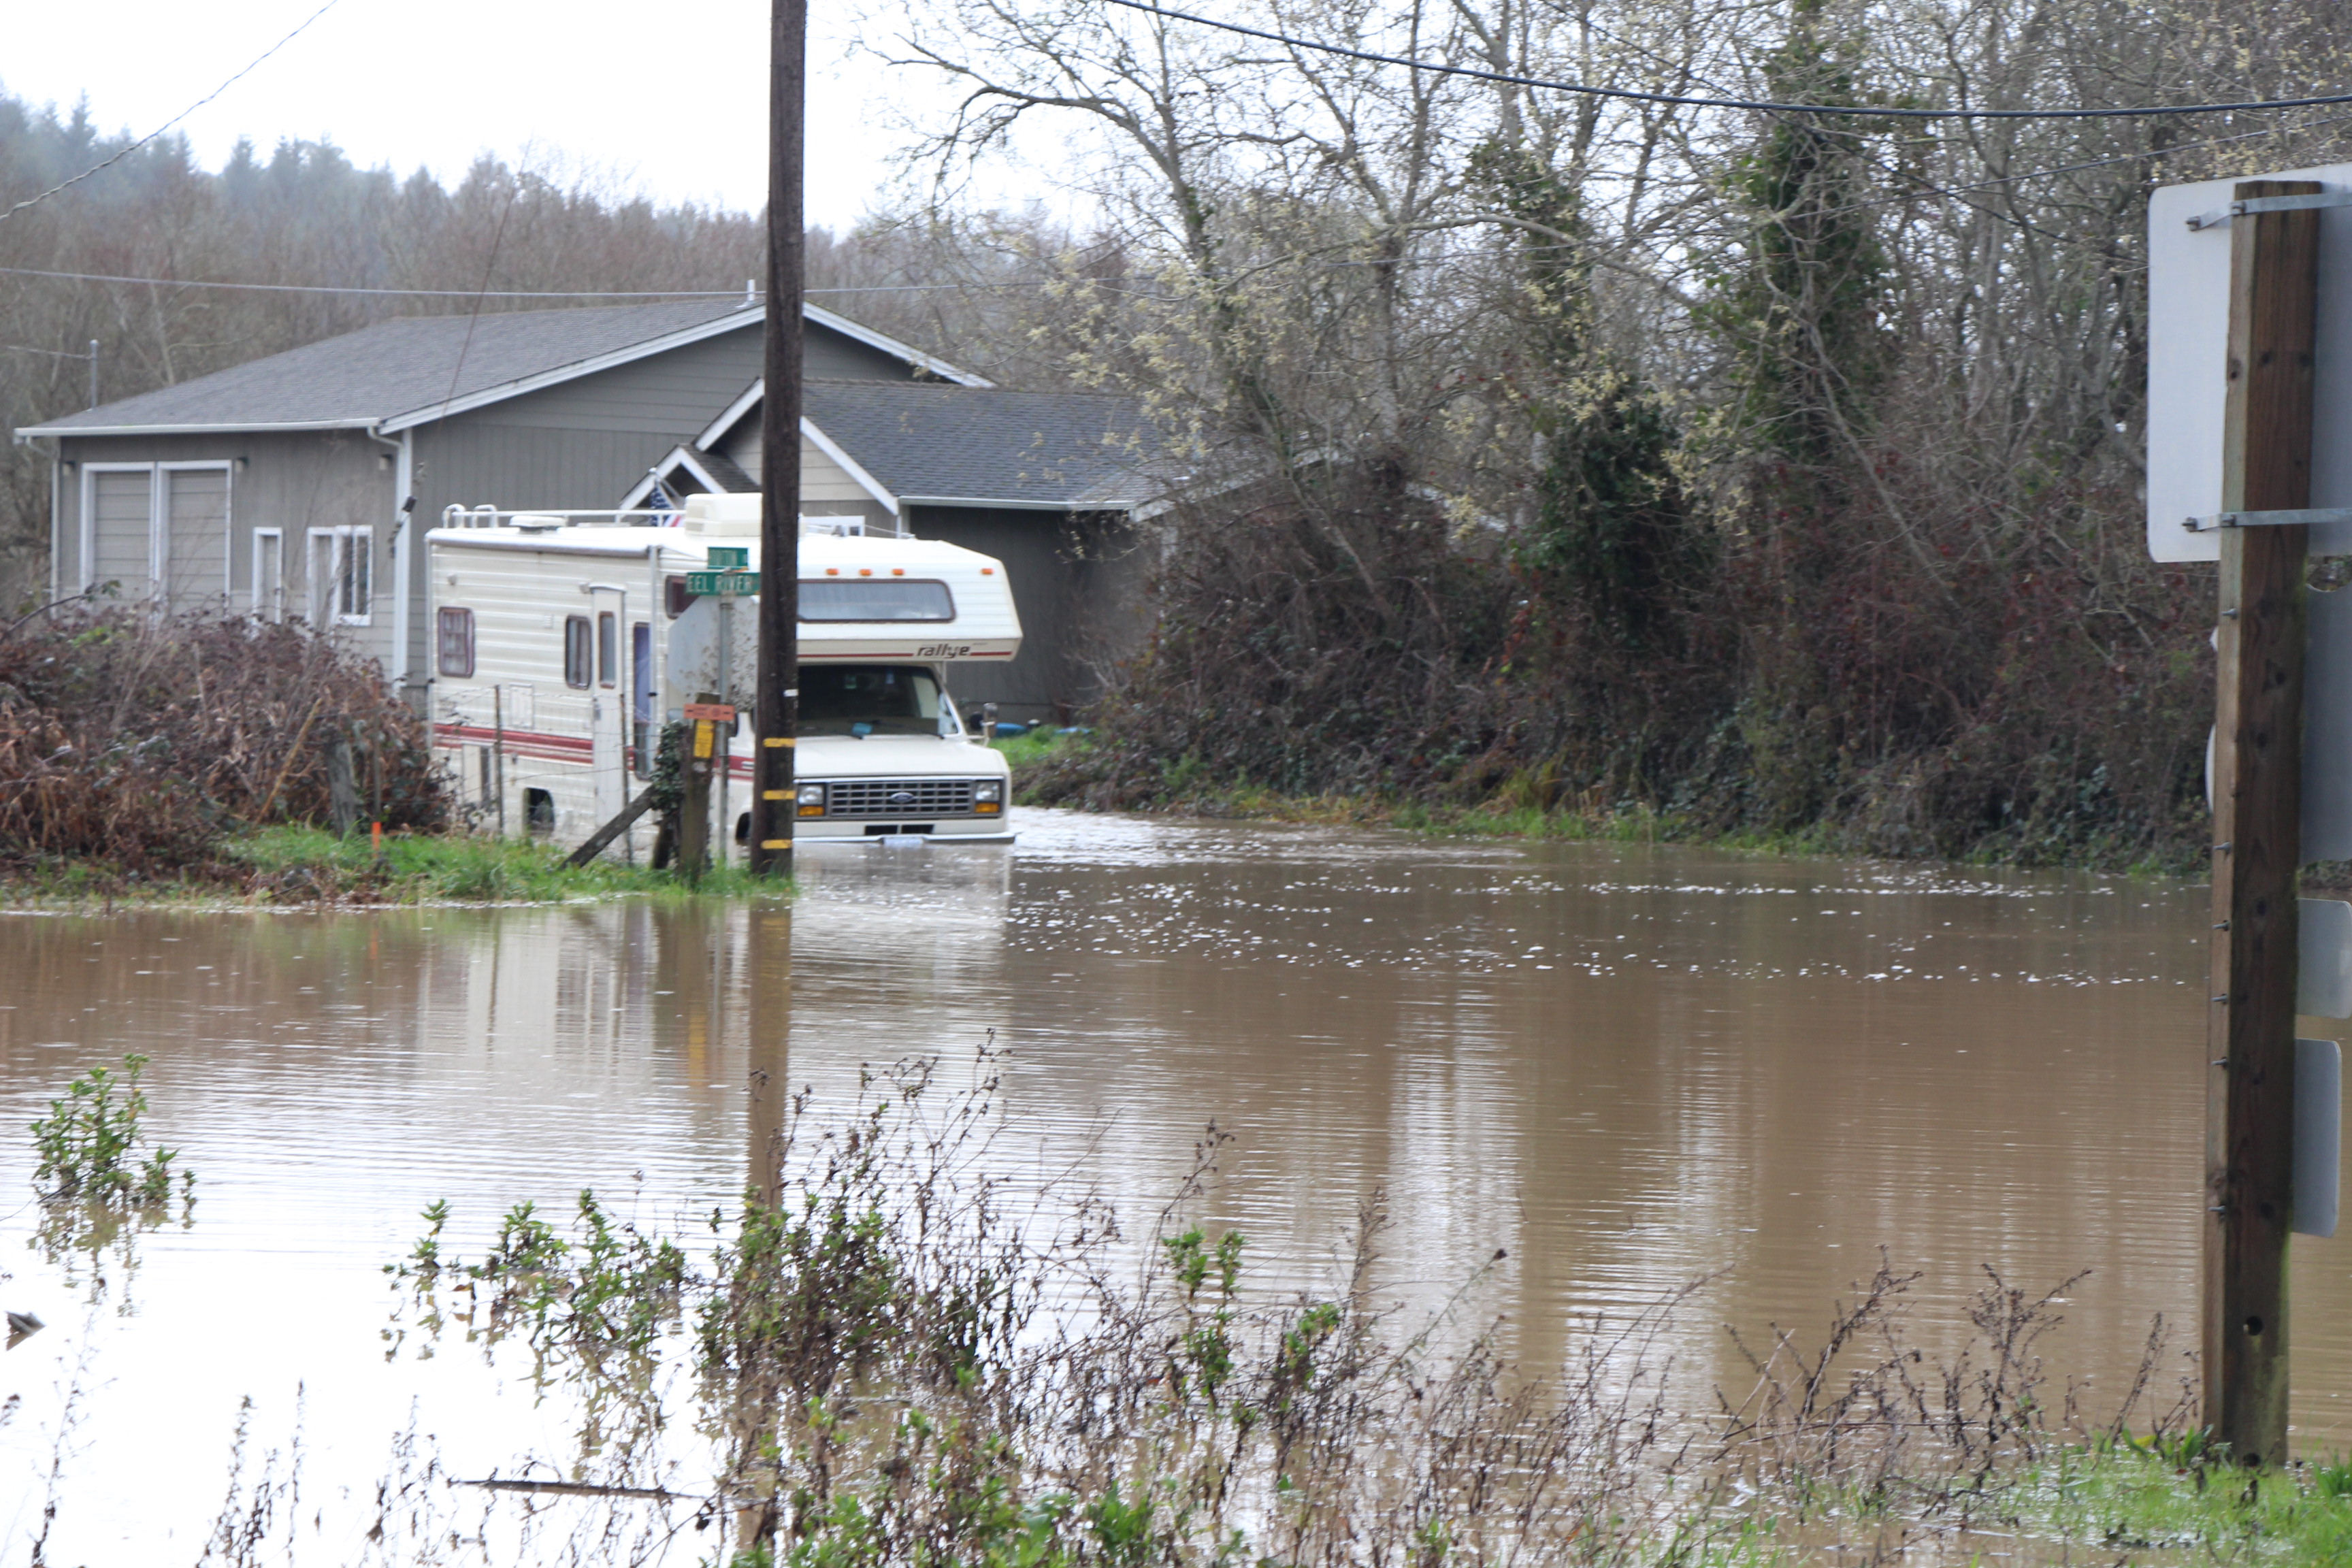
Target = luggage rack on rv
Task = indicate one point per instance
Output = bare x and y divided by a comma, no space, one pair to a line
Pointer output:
538,520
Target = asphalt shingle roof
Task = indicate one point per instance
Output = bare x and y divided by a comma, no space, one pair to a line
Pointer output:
406,365
987,443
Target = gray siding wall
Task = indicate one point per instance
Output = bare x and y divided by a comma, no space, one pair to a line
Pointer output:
680,391
292,481
1077,582
827,488
828,354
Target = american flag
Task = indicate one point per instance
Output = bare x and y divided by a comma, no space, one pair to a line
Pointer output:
658,503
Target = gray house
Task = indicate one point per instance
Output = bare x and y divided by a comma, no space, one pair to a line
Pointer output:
299,484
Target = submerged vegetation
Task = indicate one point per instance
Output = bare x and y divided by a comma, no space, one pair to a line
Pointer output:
895,1355
298,864
98,1170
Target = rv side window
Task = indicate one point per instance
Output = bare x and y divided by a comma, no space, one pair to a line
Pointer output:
608,648
576,653
675,598
875,599
457,627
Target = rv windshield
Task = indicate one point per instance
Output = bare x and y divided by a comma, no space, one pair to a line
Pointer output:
870,700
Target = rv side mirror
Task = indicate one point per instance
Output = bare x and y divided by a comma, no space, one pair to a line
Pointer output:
988,723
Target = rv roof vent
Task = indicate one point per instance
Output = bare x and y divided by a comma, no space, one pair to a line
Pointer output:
728,516
538,522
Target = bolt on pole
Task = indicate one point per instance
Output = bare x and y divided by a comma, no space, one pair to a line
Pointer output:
2257,812
773,807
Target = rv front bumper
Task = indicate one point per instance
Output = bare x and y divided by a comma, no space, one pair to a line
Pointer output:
966,809
953,830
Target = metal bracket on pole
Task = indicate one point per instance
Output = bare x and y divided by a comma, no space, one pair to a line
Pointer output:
2221,216
2310,517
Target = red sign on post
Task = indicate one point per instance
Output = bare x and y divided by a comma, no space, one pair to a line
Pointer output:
716,712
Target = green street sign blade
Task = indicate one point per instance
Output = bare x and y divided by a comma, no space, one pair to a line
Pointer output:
726,584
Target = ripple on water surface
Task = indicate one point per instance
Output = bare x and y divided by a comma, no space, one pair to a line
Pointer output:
1623,1066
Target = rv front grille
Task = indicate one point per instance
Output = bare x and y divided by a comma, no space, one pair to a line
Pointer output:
900,798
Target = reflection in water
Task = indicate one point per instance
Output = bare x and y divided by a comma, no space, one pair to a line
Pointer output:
1624,1066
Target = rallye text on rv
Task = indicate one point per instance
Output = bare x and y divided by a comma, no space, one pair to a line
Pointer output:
562,644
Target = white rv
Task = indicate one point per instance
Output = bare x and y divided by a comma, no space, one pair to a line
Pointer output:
564,642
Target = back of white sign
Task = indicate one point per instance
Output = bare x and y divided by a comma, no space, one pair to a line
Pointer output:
2188,353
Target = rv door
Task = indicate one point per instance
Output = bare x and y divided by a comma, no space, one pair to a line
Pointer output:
609,704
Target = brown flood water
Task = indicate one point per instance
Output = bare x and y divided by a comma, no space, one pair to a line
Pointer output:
1626,1067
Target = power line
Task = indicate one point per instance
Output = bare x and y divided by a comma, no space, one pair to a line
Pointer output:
497,293
1636,95
417,294
2150,155
125,152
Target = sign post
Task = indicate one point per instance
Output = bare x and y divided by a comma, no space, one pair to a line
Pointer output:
2257,810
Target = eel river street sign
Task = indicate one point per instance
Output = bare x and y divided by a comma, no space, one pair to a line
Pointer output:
722,584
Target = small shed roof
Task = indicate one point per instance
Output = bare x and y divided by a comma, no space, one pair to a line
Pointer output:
932,445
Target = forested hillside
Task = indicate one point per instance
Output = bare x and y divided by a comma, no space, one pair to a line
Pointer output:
1775,471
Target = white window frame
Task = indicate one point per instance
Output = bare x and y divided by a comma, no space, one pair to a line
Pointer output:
473,647
159,519
326,585
273,614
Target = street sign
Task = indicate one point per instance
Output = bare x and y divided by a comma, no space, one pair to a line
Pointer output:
728,558
2318,1135
2327,725
2188,368
717,713
722,584
2322,981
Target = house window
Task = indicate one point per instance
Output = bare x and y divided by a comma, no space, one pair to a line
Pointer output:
456,637
342,569
577,653
608,650
268,574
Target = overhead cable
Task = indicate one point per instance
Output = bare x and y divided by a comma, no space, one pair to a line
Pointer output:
1635,94
420,293
125,152
499,293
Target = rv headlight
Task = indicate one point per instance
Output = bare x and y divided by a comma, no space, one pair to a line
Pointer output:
812,800
988,791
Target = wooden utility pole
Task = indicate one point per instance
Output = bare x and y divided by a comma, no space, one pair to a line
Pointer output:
2257,809
777,713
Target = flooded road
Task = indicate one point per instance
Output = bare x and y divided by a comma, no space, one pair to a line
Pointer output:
1624,1066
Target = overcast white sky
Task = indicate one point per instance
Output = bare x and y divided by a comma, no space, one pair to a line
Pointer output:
669,98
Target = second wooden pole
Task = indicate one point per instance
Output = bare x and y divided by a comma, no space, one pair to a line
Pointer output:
2257,811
